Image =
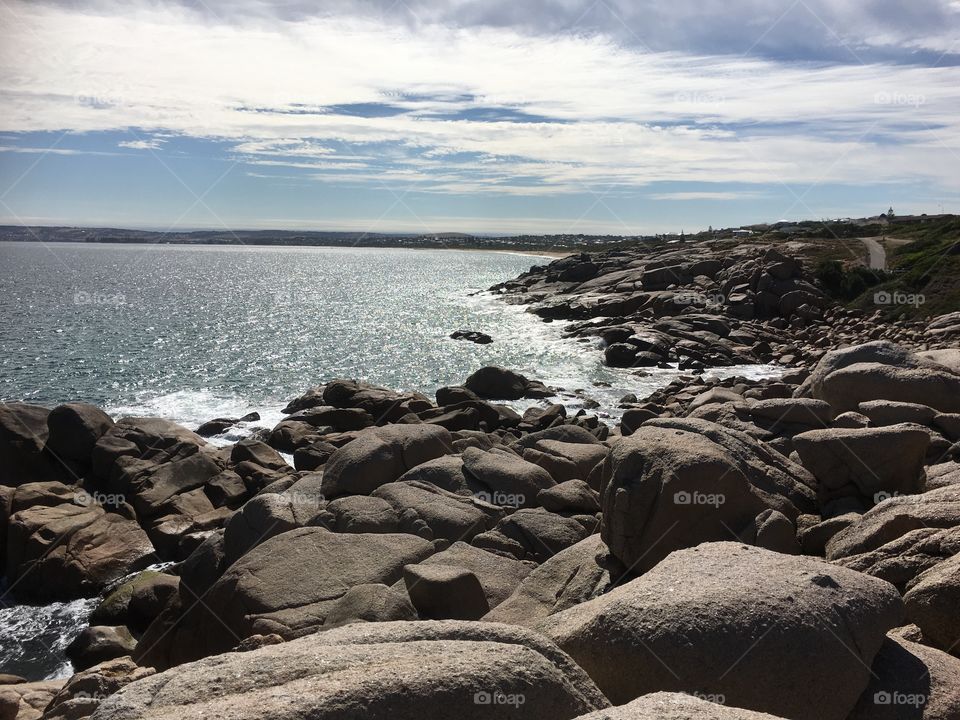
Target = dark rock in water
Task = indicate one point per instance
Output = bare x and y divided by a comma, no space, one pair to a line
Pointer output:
218,426
98,643
496,383
114,608
473,336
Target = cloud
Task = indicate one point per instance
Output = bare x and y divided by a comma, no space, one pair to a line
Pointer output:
500,98
151,144
708,195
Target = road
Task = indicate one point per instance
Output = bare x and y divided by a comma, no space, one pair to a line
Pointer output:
878,256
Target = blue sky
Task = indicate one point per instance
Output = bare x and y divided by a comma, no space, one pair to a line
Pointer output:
611,116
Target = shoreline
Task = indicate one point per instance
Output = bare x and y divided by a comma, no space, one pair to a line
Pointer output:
401,510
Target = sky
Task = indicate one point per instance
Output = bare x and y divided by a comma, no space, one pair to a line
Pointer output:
619,117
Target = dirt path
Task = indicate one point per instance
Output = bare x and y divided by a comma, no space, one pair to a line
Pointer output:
878,255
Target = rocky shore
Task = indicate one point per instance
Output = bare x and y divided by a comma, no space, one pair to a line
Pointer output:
732,549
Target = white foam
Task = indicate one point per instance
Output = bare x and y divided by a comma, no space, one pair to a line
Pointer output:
192,408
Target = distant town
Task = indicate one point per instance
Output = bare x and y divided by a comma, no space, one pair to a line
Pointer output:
839,227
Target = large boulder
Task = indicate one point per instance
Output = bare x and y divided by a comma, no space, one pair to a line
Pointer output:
74,430
873,463
67,551
895,517
572,576
934,387
676,706
910,681
83,693
267,515
285,585
496,383
445,592
536,534
506,479
370,603
676,483
878,351
445,472
905,557
431,512
381,455
362,514
27,700
98,643
932,602
781,634
397,670
23,434
499,575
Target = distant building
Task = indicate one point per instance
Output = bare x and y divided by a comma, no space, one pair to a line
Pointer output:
742,233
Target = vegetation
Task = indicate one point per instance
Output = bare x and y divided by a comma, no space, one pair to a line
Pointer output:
847,283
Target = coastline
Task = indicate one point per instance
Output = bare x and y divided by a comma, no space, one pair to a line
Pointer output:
477,506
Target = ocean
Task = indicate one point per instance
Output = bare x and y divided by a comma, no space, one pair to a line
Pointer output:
190,333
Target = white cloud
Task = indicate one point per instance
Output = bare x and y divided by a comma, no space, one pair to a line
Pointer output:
707,195
624,117
151,144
